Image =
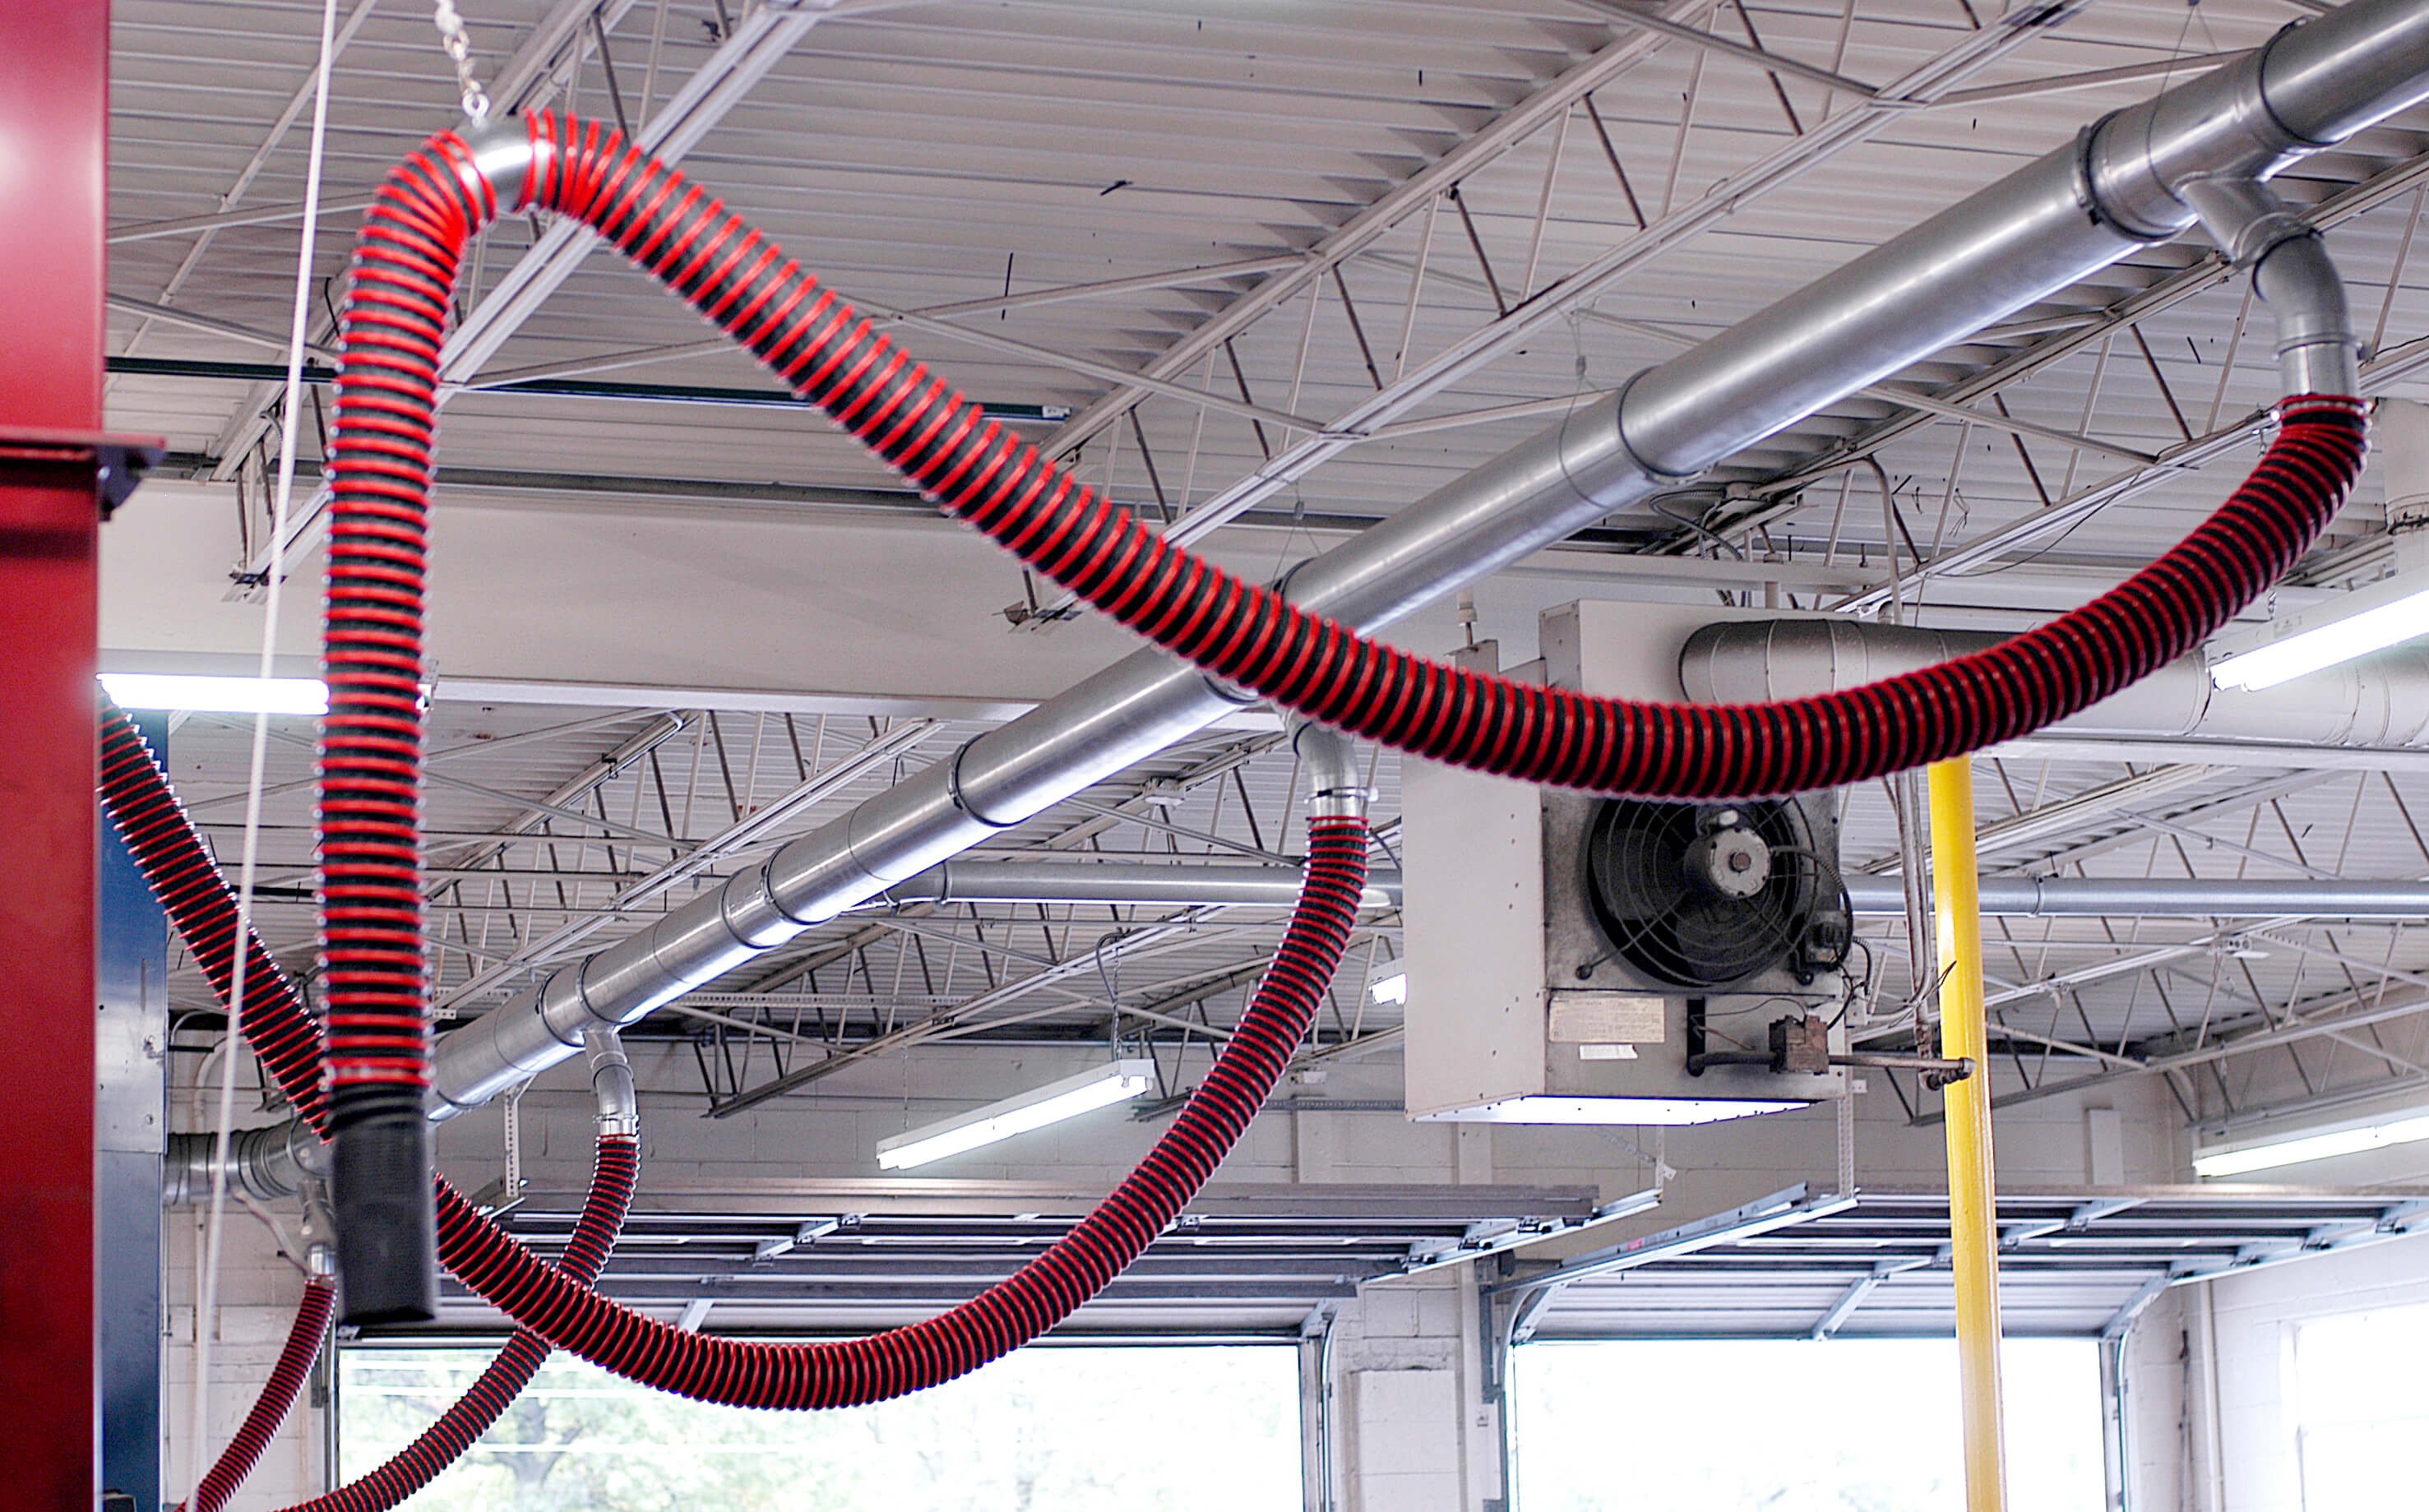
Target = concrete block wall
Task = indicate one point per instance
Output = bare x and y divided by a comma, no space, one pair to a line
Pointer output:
2251,1324
1414,1430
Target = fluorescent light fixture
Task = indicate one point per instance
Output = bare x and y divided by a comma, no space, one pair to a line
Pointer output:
1670,1110
1115,1082
218,695
2320,1146
1391,989
2387,612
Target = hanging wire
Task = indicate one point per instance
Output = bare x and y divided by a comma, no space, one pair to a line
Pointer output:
459,42
282,500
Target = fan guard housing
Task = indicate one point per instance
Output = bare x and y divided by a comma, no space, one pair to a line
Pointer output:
1703,896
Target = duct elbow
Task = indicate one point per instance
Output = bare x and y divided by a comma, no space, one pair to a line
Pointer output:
2317,349
1328,762
611,1083
499,167
2291,271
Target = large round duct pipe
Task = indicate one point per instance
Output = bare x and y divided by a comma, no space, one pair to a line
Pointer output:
2047,225
2379,704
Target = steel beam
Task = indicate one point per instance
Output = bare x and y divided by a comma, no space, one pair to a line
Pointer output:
54,120
1507,130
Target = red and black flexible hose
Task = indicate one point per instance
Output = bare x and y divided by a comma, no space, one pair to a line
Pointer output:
478,1409
1244,634
1251,636
976,470
469,1415
1010,1313
277,1396
558,1306
136,795
169,851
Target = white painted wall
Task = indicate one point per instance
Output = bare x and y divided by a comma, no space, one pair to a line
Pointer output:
1412,1430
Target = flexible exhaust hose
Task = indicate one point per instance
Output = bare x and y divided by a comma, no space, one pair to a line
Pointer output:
1015,1310
136,794
983,473
472,1415
478,1409
269,1409
1040,1295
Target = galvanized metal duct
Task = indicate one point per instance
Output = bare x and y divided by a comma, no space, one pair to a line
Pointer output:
2046,897
275,1162
2381,704
2092,897
1124,884
2028,236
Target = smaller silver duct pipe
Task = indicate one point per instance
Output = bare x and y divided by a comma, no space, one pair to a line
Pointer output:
2138,897
611,1084
2317,351
2381,704
271,1164
1125,884
2043,897
2043,227
278,1162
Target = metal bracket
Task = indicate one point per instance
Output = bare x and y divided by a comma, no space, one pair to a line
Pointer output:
117,461
809,1233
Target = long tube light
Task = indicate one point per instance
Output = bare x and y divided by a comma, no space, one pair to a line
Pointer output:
1674,1112
2325,1144
218,695
1113,1082
2387,613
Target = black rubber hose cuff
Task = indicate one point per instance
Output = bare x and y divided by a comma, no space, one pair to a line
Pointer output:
379,1193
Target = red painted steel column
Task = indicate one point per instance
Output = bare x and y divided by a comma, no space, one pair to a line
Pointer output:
54,125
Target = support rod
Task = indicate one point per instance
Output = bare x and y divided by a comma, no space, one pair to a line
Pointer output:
1973,1213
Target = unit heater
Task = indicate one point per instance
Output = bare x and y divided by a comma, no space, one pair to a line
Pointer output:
1573,959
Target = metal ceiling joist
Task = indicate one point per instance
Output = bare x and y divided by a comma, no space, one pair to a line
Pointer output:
754,46
1505,131
1798,155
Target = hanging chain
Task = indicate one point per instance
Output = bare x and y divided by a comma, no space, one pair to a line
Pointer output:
458,43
